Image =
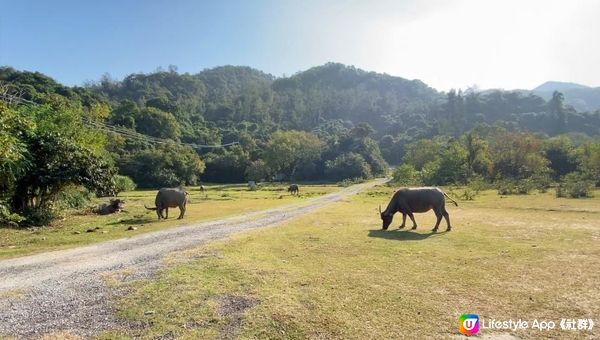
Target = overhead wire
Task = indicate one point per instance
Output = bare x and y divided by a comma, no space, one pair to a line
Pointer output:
128,133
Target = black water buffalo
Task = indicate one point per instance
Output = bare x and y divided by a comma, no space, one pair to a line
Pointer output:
417,200
115,206
294,189
170,198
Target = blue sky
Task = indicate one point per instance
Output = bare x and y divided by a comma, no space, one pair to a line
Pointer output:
447,44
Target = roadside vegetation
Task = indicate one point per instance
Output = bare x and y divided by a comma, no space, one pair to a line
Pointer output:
80,226
335,274
235,124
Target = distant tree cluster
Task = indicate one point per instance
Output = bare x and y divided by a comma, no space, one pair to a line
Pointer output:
516,162
331,122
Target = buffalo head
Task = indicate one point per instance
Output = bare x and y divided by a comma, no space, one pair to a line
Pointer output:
387,219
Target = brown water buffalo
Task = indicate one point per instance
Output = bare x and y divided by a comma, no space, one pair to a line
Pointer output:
417,200
170,198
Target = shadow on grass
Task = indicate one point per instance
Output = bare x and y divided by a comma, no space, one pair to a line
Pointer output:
403,235
135,220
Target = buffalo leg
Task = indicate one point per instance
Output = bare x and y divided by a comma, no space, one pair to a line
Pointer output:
412,218
403,221
181,211
447,217
166,212
438,215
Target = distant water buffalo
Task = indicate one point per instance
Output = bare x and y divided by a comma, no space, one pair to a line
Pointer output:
115,206
294,189
202,188
170,198
417,200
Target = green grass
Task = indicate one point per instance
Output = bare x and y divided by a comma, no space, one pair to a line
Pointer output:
218,201
335,274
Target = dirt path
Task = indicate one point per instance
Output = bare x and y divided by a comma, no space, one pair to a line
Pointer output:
64,291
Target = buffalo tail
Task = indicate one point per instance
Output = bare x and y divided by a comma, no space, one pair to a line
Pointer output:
453,201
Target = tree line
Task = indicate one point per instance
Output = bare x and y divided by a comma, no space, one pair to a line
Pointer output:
331,122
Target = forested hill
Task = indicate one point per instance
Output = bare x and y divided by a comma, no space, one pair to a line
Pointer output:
331,122
302,101
332,102
315,99
581,97
341,95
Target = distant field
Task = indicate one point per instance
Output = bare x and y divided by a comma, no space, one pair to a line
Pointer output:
336,274
218,201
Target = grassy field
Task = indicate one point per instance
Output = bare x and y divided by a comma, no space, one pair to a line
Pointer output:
336,274
218,201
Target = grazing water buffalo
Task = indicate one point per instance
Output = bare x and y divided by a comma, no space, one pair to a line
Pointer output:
202,188
170,198
294,189
410,200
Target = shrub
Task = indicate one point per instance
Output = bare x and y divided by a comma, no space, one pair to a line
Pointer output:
348,165
575,185
257,171
123,183
8,218
39,216
469,194
515,187
478,184
74,197
429,173
406,175
350,181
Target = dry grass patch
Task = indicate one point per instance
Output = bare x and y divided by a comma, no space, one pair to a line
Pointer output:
217,202
335,274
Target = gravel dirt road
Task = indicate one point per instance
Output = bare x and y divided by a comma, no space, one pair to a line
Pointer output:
64,290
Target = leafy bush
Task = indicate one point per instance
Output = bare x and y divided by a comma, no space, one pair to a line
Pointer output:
74,197
475,186
525,186
8,218
350,181
348,165
541,182
167,165
429,173
39,216
406,175
469,194
123,183
478,184
515,187
575,185
257,171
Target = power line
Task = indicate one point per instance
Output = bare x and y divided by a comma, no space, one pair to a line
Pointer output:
128,133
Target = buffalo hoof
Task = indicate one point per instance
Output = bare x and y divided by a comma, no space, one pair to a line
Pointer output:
413,228
401,227
448,229
434,229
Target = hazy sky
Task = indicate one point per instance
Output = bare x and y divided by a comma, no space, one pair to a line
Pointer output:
447,44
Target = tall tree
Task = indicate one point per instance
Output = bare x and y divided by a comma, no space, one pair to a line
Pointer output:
287,150
557,110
